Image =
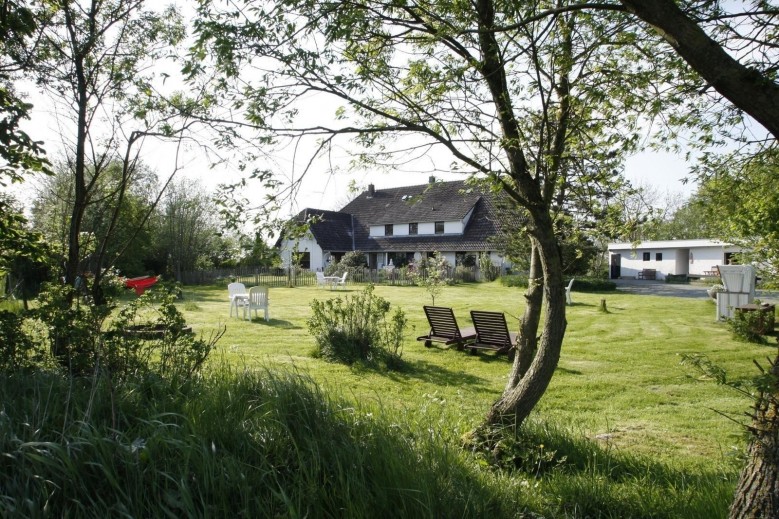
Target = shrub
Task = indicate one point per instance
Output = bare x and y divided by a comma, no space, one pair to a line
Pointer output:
353,261
150,335
594,285
432,274
580,285
351,329
489,271
515,280
752,326
19,349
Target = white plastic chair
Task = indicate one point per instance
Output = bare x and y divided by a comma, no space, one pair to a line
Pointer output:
321,280
568,299
233,290
341,282
258,300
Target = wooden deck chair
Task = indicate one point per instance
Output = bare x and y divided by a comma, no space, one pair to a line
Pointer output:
258,300
492,333
444,328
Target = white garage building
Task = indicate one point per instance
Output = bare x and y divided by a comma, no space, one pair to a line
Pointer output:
675,257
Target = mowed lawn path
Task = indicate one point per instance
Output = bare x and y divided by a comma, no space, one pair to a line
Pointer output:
620,379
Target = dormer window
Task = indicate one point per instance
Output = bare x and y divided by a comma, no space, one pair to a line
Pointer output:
439,227
413,228
388,229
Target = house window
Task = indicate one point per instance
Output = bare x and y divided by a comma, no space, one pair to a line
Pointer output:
439,227
647,256
388,229
659,256
413,228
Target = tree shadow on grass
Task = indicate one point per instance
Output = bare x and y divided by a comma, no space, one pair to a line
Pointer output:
276,323
430,373
593,476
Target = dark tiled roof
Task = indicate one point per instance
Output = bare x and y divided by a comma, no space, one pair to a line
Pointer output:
425,203
332,230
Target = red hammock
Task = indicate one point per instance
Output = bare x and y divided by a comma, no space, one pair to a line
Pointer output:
140,284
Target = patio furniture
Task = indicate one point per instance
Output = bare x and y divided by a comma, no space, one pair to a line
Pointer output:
739,282
257,300
492,333
444,328
238,296
568,299
341,282
647,274
322,280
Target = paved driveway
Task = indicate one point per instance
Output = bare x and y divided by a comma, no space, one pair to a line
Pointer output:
660,288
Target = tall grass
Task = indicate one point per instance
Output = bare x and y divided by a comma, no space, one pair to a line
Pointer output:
256,444
263,443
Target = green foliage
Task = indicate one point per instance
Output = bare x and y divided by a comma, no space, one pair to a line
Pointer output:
255,443
74,327
583,284
356,329
150,335
738,190
514,280
352,261
586,284
431,274
752,326
20,348
487,269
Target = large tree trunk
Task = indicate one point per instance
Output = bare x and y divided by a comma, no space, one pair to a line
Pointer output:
516,403
746,88
757,492
518,400
527,343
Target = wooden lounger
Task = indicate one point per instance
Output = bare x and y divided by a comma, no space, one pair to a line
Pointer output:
492,333
444,328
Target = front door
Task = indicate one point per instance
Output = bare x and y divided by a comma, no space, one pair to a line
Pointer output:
616,266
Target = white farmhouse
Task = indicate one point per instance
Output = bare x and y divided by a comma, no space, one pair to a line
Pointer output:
397,226
696,258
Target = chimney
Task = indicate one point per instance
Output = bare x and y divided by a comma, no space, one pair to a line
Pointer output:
371,190
431,180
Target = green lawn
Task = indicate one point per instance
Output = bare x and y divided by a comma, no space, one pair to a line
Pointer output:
619,380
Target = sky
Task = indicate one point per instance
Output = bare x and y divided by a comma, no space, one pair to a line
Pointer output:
661,170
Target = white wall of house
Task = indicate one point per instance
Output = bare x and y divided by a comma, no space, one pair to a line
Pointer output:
307,244
423,228
690,257
450,257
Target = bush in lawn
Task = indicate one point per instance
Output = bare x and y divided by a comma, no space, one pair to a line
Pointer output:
150,335
514,280
147,336
751,326
356,328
